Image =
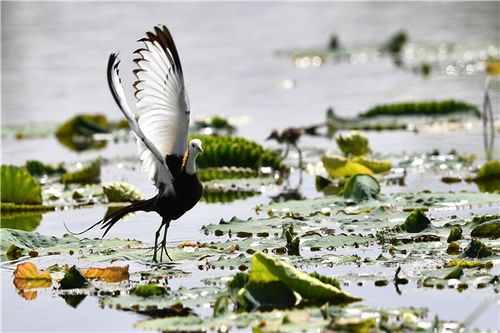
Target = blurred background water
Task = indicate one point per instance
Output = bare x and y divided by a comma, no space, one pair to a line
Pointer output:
234,56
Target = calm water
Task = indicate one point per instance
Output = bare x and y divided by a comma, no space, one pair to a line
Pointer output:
54,56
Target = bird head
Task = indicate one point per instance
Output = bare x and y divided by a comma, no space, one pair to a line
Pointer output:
274,135
195,146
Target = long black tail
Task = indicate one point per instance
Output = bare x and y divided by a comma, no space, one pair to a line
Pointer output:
109,221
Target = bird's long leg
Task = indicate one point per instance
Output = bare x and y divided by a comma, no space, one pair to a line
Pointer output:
285,154
157,236
166,223
300,155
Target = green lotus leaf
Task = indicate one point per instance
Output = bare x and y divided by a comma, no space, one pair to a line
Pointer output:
225,173
361,187
89,174
267,269
50,244
148,290
338,166
489,171
455,274
121,192
446,107
73,278
84,125
38,169
373,165
415,222
19,187
487,230
455,234
476,249
230,151
469,264
353,144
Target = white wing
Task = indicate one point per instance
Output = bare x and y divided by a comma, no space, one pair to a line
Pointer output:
161,97
158,169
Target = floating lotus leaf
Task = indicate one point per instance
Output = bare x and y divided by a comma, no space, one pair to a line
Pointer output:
50,244
38,169
338,166
148,290
84,125
455,234
235,151
108,274
89,174
488,177
469,264
267,269
121,192
188,297
446,107
374,165
361,187
353,144
415,222
487,230
214,125
27,276
19,187
73,278
477,249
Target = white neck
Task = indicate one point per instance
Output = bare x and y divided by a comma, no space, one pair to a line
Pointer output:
191,163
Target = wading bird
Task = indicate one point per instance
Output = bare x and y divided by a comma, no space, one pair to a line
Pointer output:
289,137
161,130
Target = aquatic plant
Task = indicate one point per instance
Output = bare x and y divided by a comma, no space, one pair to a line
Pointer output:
19,187
89,174
214,125
339,166
421,109
235,151
121,192
38,169
354,143
361,187
226,196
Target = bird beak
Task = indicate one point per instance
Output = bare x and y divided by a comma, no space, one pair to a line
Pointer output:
200,149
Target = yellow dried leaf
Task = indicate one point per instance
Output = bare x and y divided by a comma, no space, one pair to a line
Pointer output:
108,274
187,244
27,276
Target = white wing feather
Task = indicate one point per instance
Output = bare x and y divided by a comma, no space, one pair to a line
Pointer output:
161,96
157,168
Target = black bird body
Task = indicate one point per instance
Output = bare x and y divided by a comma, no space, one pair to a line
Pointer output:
161,130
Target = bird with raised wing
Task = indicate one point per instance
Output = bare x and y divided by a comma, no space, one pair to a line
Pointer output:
161,130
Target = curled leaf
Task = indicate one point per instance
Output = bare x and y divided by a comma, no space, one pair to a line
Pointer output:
73,278
339,166
361,187
108,274
354,143
121,192
27,276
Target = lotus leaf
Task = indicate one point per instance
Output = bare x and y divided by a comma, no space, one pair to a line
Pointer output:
235,151
476,249
353,144
338,166
121,192
38,169
421,109
361,187
487,230
89,174
108,274
148,290
73,278
455,234
27,276
19,187
415,222
267,269
469,264
84,125
373,165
